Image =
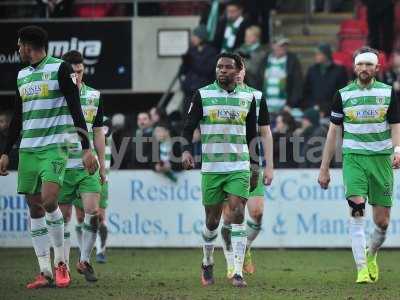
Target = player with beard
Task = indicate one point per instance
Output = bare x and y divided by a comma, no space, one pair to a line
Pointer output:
368,112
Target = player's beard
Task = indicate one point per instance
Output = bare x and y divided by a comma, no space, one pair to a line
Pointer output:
366,79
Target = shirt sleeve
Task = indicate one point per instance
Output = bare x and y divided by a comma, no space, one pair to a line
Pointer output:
263,114
393,113
71,93
251,133
98,121
15,125
337,114
193,117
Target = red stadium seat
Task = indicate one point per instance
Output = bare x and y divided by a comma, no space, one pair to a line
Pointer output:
383,61
342,58
353,27
350,44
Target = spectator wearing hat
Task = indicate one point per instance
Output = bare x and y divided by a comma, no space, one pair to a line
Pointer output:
279,76
230,30
197,64
253,53
323,79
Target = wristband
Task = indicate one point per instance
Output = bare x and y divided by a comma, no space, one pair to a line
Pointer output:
397,149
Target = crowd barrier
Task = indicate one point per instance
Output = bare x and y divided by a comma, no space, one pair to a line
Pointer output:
148,210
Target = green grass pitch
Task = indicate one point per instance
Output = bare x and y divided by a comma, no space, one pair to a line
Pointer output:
174,274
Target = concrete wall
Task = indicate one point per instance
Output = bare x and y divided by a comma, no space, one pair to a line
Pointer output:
150,72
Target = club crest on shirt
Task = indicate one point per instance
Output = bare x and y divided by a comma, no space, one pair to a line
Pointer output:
46,75
380,100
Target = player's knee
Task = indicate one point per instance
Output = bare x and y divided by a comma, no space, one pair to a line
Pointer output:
238,214
257,215
383,223
357,209
49,205
36,211
212,222
94,221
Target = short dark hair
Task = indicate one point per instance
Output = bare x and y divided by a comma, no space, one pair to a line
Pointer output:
365,49
237,3
73,57
34,36
236,57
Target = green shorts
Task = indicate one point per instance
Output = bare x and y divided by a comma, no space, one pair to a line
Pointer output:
36,167
259,191
369,176
215,187
77,181
103,198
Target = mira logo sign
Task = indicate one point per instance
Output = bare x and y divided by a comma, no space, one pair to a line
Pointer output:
13,214
90,49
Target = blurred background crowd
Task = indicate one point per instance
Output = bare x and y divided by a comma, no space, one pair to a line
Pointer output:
298,80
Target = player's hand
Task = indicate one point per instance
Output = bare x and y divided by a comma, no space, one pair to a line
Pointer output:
187,160
324,178
4,161
253,178
103,175
396,161
268,175
89,161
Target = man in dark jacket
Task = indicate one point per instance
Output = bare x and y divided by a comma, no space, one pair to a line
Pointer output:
280,77
198,64
323,79
380,17
230,30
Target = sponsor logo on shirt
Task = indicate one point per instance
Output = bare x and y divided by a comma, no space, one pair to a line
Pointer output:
367,114
227,115
32,90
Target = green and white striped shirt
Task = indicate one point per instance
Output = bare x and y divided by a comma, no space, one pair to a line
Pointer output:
90,101
46,119
275,83
223,129
366,113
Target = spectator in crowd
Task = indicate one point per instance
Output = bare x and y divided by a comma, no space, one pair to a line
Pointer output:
197,64
56,8
323,79
380,17
157,116
283,141
253,53
163,164
392,76
280,77
120,134
309,124
230,30
4,125
142,155
5,119
315,136
259,13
